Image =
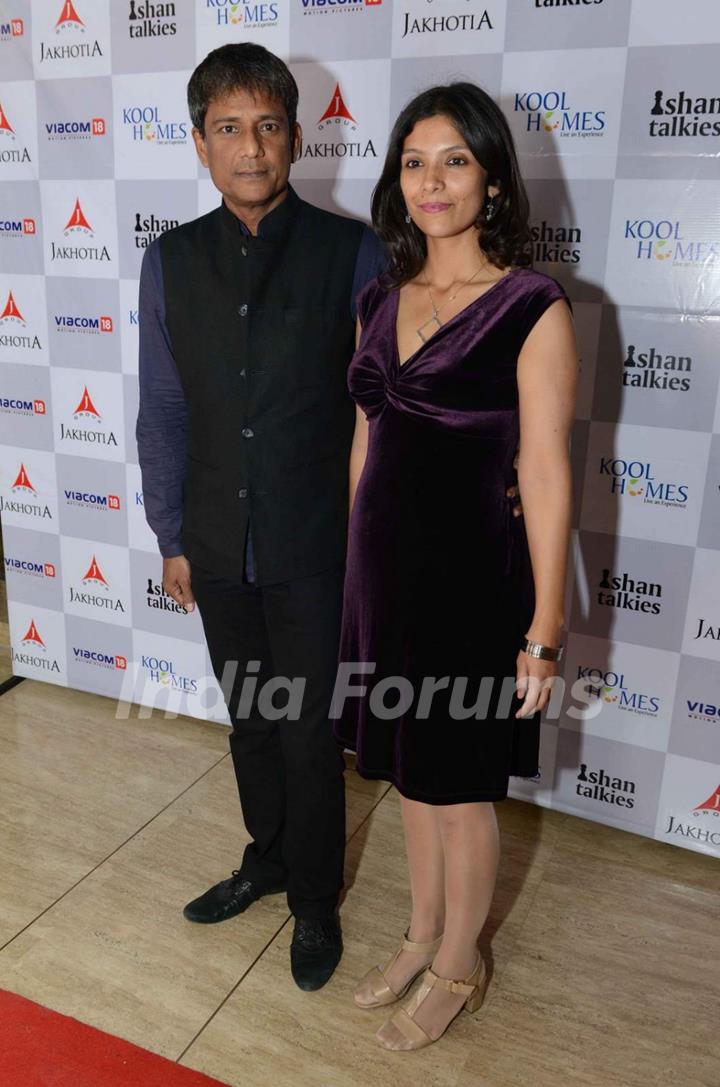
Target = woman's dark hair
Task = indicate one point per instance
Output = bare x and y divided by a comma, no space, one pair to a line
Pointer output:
506,238
241,66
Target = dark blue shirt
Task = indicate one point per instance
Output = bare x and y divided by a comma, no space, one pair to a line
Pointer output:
161,422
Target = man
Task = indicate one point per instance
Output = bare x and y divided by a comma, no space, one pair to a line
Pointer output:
246,330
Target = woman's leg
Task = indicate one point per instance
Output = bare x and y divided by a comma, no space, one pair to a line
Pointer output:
424,846
471,850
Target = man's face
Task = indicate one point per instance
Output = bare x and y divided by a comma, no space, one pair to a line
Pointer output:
248,149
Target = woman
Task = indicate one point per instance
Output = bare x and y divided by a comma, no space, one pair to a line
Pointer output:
463,350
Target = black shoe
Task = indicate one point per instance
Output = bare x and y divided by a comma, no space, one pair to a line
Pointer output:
315,950
226,899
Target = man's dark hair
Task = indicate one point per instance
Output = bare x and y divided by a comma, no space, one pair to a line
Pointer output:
241,66
506,238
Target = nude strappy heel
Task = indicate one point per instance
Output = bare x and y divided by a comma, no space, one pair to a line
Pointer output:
473,987
377,976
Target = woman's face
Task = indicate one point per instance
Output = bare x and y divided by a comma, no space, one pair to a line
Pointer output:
444,186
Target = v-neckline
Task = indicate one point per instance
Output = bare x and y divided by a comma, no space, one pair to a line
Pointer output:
396,308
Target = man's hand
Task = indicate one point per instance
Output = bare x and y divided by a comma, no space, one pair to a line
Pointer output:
514,492
176,581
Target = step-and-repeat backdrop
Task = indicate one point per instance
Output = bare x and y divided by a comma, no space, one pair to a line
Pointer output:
615,107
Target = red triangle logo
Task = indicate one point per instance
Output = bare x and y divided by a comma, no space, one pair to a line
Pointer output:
712,803
337,107
86,406
32,635
23,480
94,573
69,15
11,309
77,219
5,125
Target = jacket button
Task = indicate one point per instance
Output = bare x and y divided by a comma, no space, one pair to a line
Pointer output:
243,250
242,372
243,492
242,310
247,432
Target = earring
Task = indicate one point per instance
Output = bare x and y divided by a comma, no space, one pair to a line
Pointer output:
407,217
490,209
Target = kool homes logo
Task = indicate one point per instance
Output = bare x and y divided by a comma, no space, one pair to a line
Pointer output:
338,123
445,24
156,597
71,38
24,227
78,230
94,590
93,432
665,240
20,405
11,28
648,368
110,661
611,688
630,594
246,13
161,670
556,244
636,479
11,149
151,20
598,785
553,111
705,829
33,651
683,115
91,500
146,126
13,328
64,131
29,567
148,227
25,499
337,7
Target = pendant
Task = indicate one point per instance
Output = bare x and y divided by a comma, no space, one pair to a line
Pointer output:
433,320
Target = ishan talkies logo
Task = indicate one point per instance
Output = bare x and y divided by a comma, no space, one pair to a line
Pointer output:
682,114
151,20
649,368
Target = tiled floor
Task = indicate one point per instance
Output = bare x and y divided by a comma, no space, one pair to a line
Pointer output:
605,947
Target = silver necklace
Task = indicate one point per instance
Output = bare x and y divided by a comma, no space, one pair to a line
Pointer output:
435,319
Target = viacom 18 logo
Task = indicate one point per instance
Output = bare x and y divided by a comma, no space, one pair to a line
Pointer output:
664,240
337,7
635,479
245,13
146,126
11,28
551,111
17,228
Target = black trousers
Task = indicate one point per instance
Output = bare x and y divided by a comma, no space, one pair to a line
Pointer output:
290,773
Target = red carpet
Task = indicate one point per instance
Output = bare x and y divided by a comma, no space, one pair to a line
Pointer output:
40,1048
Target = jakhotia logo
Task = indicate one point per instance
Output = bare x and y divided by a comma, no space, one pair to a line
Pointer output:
705,830
337,122
96,591
246,13
146,126
629,593
665,240
445,24
162,670
598,785
33,651
86,412
78,229
684,115
635,479
75,130
707,630
610,687
151,20
12,325
650,369
552,111
10,148
71,35
23,492
148,227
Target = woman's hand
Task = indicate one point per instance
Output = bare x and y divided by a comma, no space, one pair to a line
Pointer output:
534,680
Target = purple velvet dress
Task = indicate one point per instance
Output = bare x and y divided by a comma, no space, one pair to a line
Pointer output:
439,582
